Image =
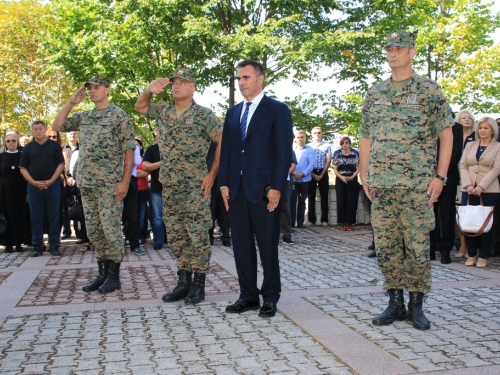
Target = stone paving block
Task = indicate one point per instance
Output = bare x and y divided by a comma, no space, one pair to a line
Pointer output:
448,345
48,289
12,260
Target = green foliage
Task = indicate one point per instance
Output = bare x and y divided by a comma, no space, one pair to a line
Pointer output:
31,87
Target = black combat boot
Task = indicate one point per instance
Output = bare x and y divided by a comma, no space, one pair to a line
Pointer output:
395,311
197,291
112,282
182,288
100,279
415,313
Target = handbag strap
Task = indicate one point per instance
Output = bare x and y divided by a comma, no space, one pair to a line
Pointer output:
481,229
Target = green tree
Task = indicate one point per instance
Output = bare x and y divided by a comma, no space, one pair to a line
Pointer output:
31,87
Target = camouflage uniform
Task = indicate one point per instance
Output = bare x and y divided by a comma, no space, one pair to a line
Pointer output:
105,135
403,128
184,143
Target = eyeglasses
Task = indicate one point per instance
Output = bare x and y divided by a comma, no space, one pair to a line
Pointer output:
10,140
346,143
53,136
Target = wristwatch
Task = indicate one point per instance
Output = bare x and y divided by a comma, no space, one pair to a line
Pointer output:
444,179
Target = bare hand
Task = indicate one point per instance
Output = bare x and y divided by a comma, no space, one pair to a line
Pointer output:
207,184
477,191
368,191
78,96
121,191
43,185
158,85
225,197
434,190
470,190
316,177
274,199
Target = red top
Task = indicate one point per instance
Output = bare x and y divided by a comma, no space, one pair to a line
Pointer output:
142,182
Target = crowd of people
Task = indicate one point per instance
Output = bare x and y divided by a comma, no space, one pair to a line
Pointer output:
247,174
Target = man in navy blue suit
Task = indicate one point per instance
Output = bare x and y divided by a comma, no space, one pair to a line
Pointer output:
255,156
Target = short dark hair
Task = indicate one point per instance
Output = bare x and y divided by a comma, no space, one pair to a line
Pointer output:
259,69
37,122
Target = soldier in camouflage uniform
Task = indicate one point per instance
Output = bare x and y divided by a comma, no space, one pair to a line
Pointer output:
402,119
185,132
105,165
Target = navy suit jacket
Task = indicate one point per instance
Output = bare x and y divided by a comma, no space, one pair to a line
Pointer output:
263,159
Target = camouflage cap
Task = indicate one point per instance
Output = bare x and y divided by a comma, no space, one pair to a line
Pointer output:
184,74
97,79
401,38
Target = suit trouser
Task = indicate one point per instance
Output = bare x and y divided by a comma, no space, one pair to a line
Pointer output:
102,218
445,212
250,221
324,186
482,242
403,217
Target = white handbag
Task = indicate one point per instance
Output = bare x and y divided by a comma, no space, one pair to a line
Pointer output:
474,220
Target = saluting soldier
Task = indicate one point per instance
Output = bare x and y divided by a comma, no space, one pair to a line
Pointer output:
402,119
105,164
185,132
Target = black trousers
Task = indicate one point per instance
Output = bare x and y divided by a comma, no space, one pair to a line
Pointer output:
347,201
482,242
250,222
443,235
130,215
298,206
285,218
323,186
218,211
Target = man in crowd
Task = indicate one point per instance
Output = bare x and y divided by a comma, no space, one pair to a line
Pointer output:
42,163
306,160
152,163
319,177
255,159
402,118
185,132
105,162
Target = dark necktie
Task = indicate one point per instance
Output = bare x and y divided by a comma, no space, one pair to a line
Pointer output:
243,124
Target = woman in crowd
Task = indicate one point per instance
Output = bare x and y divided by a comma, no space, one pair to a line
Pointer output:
13,202
479,170
467,120
346,167
142,196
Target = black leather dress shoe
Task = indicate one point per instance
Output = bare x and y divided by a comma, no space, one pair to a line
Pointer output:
157,246
226,242
241,306
268,309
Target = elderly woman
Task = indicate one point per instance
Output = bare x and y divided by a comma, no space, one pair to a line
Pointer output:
13,192
346,167
479,170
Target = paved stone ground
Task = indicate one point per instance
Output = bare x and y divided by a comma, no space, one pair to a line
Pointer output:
331,290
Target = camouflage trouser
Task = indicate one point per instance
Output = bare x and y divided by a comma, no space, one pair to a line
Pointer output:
187,217
402,217
102,218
